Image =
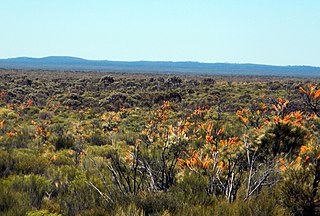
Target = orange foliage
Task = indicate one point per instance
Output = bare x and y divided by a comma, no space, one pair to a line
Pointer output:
2,123
295,118
166,105
302,90
220,131
229,142
209,138
311,92
11,134
317,94
241,114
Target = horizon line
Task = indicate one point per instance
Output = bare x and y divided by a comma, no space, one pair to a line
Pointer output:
175,61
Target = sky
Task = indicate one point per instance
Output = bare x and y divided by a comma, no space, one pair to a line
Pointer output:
277,32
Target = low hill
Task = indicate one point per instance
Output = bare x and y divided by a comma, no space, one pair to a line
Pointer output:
195,68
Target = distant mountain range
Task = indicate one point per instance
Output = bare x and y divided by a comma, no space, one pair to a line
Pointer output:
168,67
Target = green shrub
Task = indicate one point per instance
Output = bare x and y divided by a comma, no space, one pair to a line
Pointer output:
13,202
192,189
30,111
297,192
20,139
28,161
5,163
128,210
265,203
31,187
282,139
42,213
63,142
156,203
78,196
45,115
64,157
97,139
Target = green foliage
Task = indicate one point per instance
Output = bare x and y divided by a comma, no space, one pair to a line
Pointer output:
64,141
42,213
282,139
127,210
119,144
97,139
13,202
28,161
22,192
300,192
5,163
263,205
157,203
45,115
193,189
78,196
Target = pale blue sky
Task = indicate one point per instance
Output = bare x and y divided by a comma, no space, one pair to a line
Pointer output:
279,32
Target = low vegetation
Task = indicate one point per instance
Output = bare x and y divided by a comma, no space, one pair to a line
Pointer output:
133,144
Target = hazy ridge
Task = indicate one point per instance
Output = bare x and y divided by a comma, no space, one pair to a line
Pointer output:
79,64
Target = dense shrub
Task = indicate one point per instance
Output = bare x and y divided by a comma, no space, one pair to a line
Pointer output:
25,190
283,139
27,161
300,193
158,203
119,144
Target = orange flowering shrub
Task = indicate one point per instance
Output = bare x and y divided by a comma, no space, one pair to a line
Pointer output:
311,97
